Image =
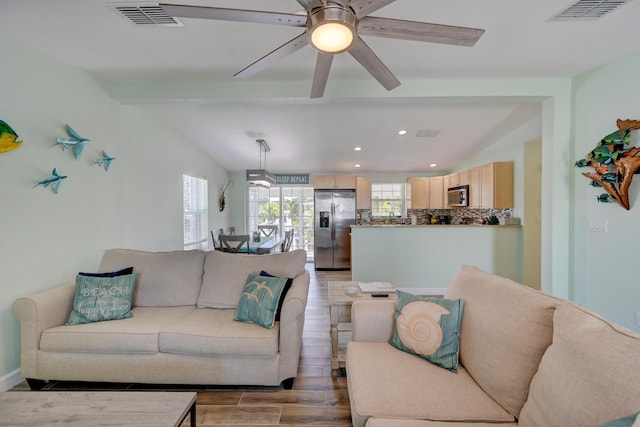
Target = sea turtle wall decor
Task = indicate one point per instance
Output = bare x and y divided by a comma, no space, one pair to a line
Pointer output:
8,138
614,163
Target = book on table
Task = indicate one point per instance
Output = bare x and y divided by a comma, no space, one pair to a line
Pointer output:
376,287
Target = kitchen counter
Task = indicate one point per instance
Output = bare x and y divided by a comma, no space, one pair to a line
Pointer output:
428,256
433,225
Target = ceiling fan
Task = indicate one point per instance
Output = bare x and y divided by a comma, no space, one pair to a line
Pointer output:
332,27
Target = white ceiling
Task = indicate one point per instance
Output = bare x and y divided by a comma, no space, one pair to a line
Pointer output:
319,135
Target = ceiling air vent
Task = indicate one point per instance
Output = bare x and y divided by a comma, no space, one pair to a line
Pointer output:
427,133
588,10
152,15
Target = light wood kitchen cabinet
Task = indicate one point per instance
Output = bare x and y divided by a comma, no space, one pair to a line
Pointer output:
363,193
463,177
418,190
436,192
474,187
495,187
331,182
451,180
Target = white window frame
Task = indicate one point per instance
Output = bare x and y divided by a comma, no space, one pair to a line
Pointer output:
195,212
392,193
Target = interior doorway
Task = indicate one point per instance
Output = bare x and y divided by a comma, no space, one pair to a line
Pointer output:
532,213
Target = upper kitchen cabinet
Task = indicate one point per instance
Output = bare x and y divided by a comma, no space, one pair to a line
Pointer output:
418,192
363,193
463,177
491,186
436,192
331,182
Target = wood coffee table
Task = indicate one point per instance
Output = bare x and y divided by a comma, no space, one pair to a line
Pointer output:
340,313
79,408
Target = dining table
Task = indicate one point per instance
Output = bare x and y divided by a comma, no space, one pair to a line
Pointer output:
265,245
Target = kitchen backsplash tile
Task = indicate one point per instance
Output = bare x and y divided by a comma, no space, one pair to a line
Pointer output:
457,216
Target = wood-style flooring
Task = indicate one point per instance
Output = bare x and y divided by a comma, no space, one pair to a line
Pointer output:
317,397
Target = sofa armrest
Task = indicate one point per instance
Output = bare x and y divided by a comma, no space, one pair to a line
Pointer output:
37,313
291,325
372,320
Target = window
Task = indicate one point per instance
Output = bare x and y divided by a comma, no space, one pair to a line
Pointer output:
195,197
388,200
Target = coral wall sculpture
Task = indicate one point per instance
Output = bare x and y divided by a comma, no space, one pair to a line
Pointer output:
614,163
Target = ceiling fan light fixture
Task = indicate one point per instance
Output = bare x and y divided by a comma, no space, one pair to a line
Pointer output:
332,29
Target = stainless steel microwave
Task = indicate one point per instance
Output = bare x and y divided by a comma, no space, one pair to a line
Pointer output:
458,196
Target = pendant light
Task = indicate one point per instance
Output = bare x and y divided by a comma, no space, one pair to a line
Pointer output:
261,177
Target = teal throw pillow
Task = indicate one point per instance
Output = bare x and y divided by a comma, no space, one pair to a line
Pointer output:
102,298
429,328
622,422
259,300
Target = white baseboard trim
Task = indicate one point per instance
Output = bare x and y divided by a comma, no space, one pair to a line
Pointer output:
424,291
10,380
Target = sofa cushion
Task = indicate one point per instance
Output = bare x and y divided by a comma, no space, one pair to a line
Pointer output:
138,334
166,279
121,272
213,332
102,298
287,286
506,329
429,328
225,274
259,300
420,389
630,421
589,375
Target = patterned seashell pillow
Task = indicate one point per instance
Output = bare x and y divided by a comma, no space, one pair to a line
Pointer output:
429,328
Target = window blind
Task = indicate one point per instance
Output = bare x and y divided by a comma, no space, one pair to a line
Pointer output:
195,212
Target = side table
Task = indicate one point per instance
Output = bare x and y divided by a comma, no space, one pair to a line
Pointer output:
340,315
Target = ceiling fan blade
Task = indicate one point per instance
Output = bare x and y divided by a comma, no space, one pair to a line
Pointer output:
418,31
310,4
288,48
239,15
363,8
365,56
321,74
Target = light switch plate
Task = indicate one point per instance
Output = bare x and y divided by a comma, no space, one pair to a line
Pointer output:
597,225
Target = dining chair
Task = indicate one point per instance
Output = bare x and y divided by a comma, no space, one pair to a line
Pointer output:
232,230
268,231
216,242
234,243
288,239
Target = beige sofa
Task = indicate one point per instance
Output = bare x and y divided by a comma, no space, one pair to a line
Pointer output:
182,330
526,359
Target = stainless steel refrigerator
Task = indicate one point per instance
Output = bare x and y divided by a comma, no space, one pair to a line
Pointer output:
335,212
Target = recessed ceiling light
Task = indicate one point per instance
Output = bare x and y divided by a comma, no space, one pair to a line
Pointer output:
358,148
402,132
433,165
356,165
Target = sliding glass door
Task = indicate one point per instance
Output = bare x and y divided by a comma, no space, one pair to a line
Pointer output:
290,208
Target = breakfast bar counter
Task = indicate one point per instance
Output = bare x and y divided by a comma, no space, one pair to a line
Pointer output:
428,256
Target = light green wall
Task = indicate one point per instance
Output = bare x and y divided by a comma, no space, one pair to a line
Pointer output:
64,233
45,239
602,263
